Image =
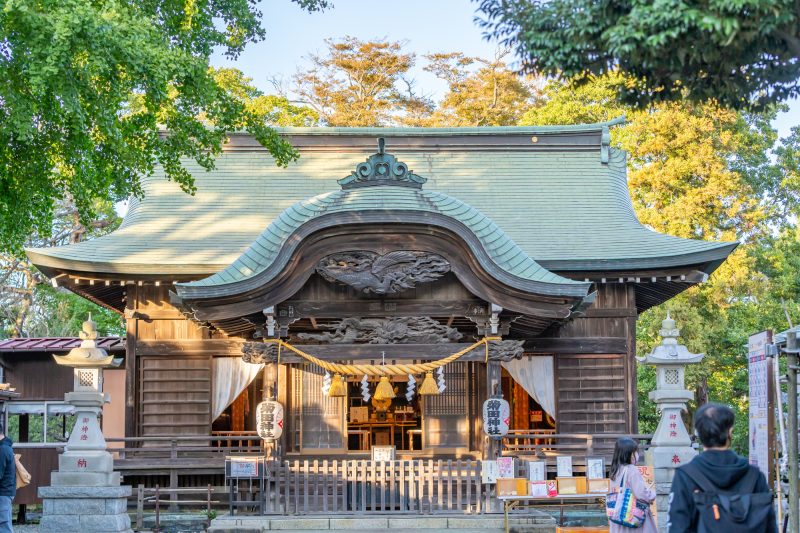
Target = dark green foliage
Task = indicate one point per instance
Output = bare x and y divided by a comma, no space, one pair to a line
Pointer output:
744,53
86,87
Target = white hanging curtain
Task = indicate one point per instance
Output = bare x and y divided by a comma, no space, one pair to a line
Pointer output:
231,377
535,375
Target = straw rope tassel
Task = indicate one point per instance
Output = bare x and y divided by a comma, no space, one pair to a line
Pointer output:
429,387
384,390
338,387
380,370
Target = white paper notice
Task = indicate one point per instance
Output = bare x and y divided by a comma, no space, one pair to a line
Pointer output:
489,472
564,466
536,471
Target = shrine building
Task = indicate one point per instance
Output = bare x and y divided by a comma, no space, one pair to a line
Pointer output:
380,251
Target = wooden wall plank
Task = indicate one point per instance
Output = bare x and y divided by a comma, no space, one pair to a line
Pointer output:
175,396
591,394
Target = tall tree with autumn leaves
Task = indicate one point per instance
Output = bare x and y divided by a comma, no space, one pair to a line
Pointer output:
481,92
699,170
360,83
368,83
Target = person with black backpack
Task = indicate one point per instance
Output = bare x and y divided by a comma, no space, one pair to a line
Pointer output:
718,491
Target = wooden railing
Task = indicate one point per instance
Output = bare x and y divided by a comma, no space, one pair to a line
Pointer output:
545,444
233,439
186,446
345,486
179,461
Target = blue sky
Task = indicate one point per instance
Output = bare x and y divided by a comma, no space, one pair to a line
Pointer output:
426,25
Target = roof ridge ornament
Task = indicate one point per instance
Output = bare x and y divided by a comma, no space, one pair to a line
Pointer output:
382,168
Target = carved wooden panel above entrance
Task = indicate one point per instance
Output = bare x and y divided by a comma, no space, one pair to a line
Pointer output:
397,330
391,273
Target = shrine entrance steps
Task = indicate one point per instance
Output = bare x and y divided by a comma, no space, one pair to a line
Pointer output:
533,520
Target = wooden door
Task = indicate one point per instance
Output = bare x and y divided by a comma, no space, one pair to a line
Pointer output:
318,420
445,416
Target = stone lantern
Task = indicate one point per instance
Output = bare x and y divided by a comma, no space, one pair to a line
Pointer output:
671,444
670,360
85,493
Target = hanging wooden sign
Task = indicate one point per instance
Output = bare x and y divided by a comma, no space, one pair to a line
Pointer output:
269,420
496,417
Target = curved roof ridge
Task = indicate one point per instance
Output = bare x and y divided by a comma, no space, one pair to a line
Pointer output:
499,247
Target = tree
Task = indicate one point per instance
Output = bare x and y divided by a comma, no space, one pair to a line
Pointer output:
87,87
743,54
489,95
694,170
270,109
29,306
699,170
360,83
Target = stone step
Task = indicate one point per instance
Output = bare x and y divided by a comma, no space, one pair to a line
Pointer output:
534,521
175,523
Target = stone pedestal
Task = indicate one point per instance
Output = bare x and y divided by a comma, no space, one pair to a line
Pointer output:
664,461
84,509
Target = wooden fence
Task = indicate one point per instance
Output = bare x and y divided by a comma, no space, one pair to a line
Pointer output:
360,486
156,497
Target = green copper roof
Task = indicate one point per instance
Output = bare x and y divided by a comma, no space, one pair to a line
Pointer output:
552,192
383,199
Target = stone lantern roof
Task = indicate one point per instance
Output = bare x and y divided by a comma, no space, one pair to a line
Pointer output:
669,351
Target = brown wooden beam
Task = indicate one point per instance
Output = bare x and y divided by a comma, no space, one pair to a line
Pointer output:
577,345
623,312
233,348
218,347
379,308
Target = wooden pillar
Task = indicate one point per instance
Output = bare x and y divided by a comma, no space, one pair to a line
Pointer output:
131,334
282,395
631,365
492,387
270,381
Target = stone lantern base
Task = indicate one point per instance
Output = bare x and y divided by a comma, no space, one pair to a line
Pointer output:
664,461
80,509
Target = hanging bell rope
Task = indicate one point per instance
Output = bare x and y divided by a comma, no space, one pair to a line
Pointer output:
380,370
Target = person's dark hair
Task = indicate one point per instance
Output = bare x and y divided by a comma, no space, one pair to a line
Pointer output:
713,422
623,451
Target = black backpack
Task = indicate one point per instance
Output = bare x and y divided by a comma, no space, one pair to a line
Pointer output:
737,511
